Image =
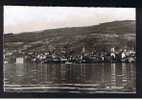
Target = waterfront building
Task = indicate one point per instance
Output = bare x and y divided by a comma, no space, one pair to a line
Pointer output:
19,60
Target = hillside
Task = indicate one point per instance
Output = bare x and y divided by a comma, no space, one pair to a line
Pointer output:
117,33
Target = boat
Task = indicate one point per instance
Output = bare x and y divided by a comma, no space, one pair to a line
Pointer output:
68,62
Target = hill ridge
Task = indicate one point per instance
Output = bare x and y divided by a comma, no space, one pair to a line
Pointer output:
116,33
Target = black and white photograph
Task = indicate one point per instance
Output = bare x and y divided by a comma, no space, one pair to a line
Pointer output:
69,49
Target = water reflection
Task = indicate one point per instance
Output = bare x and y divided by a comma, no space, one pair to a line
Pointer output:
104,75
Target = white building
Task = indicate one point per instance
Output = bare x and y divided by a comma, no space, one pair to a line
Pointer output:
19,60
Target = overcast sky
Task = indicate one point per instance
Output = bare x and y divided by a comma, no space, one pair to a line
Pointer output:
24,18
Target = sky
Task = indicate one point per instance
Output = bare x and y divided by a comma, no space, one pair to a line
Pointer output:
31,18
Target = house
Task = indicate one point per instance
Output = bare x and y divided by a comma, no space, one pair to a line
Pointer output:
19,60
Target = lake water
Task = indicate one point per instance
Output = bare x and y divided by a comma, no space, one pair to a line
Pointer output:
70,78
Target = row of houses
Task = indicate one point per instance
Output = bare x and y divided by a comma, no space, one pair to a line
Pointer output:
112,56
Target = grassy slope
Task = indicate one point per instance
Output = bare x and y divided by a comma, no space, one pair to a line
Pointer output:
117,33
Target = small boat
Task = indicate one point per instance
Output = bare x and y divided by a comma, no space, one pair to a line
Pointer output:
68,62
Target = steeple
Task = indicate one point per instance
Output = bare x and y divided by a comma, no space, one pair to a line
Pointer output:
83,50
